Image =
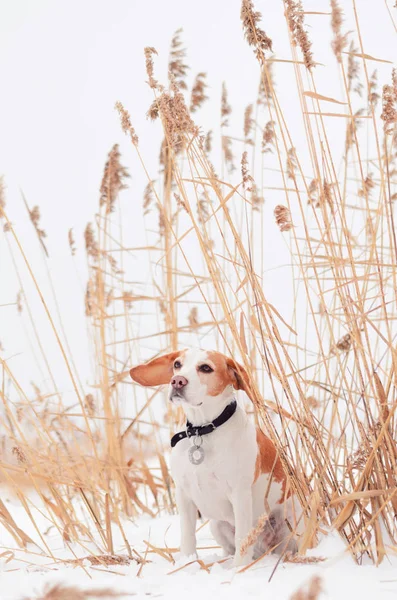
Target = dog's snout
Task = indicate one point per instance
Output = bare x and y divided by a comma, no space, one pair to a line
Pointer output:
178,382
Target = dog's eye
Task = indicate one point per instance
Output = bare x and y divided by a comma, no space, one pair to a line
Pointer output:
205,368
177,364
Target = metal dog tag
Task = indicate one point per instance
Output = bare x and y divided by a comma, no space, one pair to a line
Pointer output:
196,453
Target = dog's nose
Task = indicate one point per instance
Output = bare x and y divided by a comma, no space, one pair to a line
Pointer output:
178,382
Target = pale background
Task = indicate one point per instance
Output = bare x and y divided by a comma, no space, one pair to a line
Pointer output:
62,67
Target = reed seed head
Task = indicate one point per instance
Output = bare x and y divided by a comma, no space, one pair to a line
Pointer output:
149,51
268,137
89,298
226,109
353,70
245,174
148,197
126,123
343,345
19,302
193,318
208,142
198,96
339,42
389,113
368,186
283,218
35,217
294,13
89,404
254,35
90,242
292,163
175,117
254,533
113,180
256,198
72,243
177,68
373,95
2,196
227,152
180,202
249,124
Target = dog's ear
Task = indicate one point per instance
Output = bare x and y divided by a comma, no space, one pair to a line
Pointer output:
155,372
241,378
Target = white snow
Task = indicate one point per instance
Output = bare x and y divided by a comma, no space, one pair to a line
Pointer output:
30,571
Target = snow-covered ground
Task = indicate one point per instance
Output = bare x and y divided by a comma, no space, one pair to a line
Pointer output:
30,572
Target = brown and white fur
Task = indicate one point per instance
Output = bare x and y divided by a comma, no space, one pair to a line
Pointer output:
241,477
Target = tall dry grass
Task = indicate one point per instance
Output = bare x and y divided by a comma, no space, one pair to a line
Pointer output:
322,379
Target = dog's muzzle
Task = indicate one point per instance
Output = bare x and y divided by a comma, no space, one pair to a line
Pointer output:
174,395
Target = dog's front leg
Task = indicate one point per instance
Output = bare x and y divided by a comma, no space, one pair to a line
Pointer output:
242,508
188,517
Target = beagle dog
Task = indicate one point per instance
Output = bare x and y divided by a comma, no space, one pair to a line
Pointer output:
222,465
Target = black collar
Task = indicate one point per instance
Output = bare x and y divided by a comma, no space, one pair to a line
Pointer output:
191,430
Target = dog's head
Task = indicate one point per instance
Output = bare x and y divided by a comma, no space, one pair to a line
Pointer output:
195,377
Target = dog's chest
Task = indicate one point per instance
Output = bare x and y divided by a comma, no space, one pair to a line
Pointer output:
209,484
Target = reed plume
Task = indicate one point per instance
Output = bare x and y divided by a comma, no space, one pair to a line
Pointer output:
340,41
113,180
126,123
149,52
294,13
198,96
283,218
177,68
254,35
72,243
